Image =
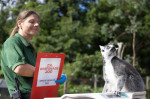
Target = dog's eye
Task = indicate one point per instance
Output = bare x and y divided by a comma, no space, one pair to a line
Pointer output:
108,47
102,50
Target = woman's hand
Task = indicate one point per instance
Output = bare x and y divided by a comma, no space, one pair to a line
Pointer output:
62,79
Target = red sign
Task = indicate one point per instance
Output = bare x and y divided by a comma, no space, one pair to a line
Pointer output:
48,69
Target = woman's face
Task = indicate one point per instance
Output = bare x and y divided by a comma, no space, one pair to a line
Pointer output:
30,26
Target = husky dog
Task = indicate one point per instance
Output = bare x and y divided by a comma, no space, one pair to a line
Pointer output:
119,76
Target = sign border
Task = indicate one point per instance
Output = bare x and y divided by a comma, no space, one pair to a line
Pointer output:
46,91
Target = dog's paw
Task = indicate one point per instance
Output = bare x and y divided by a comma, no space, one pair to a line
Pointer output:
117,93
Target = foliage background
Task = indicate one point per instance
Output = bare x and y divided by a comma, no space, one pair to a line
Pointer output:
78,27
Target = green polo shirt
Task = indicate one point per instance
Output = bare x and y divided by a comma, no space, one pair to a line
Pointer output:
16,51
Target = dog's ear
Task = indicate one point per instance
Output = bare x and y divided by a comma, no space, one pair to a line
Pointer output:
101,48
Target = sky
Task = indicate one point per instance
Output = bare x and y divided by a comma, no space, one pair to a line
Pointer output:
11,1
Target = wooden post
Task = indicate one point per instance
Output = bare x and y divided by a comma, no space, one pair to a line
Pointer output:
121,48
65,86
147,82
95,81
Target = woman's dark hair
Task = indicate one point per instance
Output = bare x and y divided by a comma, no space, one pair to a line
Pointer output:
22,16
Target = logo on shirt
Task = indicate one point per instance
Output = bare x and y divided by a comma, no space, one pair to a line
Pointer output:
49,68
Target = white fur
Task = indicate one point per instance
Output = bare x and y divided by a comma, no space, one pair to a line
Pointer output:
109,71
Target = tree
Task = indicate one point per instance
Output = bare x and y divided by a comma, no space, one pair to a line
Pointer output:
4,14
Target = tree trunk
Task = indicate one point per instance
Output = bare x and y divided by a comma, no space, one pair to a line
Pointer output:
133,46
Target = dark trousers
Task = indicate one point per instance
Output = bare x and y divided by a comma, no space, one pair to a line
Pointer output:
25,96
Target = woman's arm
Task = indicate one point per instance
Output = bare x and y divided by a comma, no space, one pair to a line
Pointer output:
25,70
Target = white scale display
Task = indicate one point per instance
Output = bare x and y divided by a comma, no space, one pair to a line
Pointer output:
48,71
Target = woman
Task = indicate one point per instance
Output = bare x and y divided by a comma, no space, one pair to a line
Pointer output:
18,57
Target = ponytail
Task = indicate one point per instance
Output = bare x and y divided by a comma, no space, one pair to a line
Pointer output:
15,30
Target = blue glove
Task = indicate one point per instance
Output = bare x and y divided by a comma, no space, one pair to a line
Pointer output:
62,79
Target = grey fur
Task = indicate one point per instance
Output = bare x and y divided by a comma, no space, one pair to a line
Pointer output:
119,75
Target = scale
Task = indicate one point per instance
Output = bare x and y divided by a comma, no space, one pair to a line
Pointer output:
128,95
